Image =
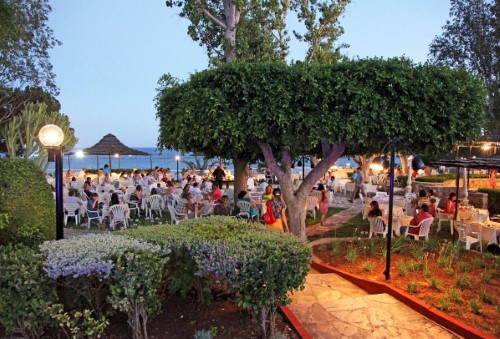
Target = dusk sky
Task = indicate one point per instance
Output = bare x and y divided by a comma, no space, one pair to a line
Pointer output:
112,56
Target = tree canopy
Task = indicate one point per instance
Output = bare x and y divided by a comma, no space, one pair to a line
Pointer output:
360,103
277,112
471,39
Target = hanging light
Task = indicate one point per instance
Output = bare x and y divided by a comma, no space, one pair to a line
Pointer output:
380,163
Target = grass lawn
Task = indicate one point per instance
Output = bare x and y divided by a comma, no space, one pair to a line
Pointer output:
331,211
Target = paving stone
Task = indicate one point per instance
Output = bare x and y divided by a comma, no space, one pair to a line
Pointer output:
316,314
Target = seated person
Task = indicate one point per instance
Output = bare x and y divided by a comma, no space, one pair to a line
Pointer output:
69,174
223,207
432,207
195,190
72,198
82,173
375,210
244,196
216,193
87,189
262,185
187,205
449,205
137,195
422,195
422,214
94,206
207,204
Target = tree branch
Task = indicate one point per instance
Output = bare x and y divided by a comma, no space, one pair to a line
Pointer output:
212,16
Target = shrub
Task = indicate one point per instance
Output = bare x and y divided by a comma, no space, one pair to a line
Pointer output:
322,248
261,267
402,268
486,297
25,292
475,306
368,266
352,253
463,267
27,199
95,265
487,276
478,263
336,248
412,287
455,295
449,272
434,283
463,281
443,304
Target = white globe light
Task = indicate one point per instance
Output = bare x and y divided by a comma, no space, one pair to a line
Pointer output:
177,157
51,135
117,155
79,154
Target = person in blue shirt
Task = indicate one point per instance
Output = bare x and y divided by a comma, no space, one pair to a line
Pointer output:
106,169
243,196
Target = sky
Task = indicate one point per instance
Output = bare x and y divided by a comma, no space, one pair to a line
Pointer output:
112,56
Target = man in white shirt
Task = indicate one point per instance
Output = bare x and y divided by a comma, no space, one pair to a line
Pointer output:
195,190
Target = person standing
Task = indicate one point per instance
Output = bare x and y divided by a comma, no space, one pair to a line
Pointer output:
219,176
358,184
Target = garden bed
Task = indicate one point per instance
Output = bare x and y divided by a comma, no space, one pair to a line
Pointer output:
463,284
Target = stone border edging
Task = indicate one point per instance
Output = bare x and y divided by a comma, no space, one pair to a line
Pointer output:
426,310
297,325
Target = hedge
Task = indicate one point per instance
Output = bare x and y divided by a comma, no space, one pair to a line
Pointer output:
259,266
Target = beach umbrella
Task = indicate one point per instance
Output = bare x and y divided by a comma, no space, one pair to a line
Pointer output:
110,145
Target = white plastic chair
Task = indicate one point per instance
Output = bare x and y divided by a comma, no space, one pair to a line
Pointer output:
118,214
467,236
92,215
175,216
132,205
377,226
71,210
311,204
153,203
381,194
244,207
425,229
441,216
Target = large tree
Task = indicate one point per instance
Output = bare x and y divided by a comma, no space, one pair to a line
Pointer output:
277,112
25,42
471,39
256,31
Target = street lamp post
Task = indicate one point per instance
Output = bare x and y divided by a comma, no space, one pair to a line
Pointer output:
52,136
392,143
177,158
408,182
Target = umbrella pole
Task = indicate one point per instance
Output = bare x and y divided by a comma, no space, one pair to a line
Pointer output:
69,163
150,162
98,162
109,156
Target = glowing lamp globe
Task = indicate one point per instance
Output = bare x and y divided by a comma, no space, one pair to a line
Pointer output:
177,158
51,136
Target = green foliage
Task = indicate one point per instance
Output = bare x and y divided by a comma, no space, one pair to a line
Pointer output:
470,40
136,281
443,304
493,199
487,297
260,266
475,306
27,199
434,283
335,246
26,291
455,294
320,102
412,287
78,324
368,266
322,248
402,268
478,263
487,276
463,281
449,271
463,267
439,178
199,163
352,253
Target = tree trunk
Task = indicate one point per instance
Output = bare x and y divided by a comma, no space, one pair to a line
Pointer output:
296,200
240,177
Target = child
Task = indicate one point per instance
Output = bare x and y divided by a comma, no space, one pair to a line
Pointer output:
207,203
432,207
323,203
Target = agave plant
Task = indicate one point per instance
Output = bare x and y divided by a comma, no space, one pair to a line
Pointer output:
199,163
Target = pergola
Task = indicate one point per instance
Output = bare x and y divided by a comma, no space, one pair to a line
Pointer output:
110,145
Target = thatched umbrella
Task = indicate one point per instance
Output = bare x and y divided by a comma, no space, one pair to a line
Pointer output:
110,145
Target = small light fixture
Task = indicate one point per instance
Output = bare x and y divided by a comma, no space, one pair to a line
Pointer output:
51,135
177,158
117,155
380,163
79,154
486,147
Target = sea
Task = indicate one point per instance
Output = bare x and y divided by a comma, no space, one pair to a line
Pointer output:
165,159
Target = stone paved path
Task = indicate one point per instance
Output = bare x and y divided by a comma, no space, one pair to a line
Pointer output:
332,307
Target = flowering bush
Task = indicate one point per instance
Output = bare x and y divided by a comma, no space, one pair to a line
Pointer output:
89,254
261,266
127,272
